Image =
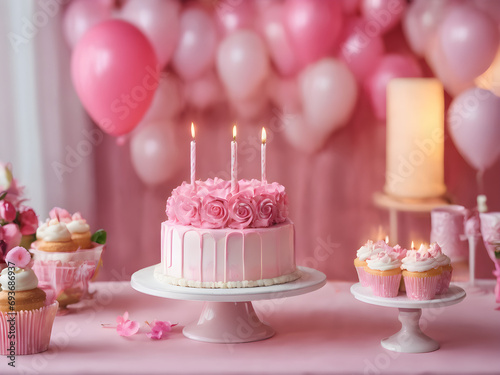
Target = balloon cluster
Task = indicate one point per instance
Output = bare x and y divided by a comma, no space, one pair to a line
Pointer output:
145,62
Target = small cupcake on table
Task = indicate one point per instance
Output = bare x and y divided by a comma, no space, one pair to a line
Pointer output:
364,252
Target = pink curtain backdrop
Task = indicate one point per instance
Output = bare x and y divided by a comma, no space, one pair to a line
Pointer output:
330,192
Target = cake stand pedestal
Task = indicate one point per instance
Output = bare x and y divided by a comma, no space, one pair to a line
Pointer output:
410,339
228,315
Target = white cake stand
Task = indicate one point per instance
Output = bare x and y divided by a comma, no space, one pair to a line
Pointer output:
228,315
410,339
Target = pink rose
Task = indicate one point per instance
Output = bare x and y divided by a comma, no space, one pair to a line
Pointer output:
281,207
7,211
60,214
186,210
241,210
217,188
265,214
214,212
29,221
11,235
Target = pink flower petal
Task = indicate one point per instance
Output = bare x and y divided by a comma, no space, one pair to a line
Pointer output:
128,328
18,256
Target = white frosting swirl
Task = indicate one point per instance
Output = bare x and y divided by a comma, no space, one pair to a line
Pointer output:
24,279
440,258
384,261
55,232
419,261
78,226
40,232
369,248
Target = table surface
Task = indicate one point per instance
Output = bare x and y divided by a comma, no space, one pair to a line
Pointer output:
326,331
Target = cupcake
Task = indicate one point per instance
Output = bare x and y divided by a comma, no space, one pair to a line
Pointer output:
443,262
363,253
26,317
383,272
80,231
54,237
421,274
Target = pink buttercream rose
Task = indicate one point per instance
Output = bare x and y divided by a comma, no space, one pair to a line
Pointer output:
11,235
265,207
216,188
214,212
187,210
29,221
7,211
60,214
241,210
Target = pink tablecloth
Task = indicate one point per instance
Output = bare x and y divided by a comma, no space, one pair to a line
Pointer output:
326,331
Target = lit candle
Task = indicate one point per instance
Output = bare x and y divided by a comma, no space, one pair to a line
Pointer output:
387,240
263,157
193,157
412,245
415,138
234,162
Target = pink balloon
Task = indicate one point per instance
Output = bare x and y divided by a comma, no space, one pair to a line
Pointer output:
361,51
329,93
81,15
313,27
421,21
439,64
490,7
115,80
474,125
234,15
350,7
154,153
278,42
195,51
383,15
205,92
391,66
168,100
159,21
469,39
242,63
299,134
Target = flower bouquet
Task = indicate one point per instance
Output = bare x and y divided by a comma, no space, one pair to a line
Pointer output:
490,229
18,222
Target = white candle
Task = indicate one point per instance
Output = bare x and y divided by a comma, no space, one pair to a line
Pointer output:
263,157
234,162
193,156
415,138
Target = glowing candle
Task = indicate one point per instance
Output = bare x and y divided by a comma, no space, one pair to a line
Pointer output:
415,138
263,157
412,245
387,240
193,156
234,162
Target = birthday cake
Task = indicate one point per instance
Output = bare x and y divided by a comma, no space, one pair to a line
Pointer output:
218,236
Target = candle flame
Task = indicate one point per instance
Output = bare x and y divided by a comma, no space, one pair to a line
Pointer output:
192,130
234,133
412,245
264,136
387,239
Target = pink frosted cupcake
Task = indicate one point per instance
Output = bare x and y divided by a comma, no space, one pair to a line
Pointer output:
421,274
383,271
443,262
26,317
363,253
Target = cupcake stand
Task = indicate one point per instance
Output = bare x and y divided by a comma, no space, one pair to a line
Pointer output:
228,315
410,339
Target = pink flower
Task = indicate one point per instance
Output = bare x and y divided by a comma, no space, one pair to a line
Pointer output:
265,210
60,214
216,188
11,235
214,212
29,221
7,211
158,328
18,256
187,210
241,210
77,216
126,327
281,207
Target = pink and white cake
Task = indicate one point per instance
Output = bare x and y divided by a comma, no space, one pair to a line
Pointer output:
218,238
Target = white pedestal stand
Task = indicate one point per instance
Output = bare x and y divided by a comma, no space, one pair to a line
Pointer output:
228,315
410,339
